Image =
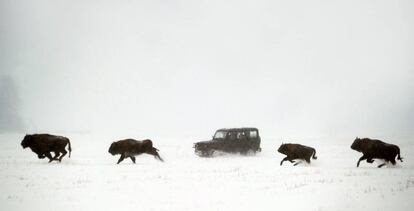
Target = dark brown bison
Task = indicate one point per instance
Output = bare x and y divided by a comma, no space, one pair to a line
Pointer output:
130,148
44,144
376,149
297,151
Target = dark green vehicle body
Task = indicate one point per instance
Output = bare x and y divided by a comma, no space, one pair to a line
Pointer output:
232,140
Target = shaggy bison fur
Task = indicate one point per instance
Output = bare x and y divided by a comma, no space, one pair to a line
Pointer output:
44,144
376,149
297,151
130,148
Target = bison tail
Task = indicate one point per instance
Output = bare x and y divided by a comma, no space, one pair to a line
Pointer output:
157,156
399,156
314,155
69,148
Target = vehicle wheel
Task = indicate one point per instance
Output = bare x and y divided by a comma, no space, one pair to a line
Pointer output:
199,153
208,153
248,152
251,152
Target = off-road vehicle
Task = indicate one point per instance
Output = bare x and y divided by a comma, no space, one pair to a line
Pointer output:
234,140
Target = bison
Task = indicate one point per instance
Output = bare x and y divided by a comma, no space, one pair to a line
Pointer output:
376,149
297,151
130,148
44,144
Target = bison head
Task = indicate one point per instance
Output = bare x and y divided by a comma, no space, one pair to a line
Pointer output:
27,141
113,148
357,145
283,149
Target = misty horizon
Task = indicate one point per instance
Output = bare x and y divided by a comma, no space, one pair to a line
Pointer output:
155,68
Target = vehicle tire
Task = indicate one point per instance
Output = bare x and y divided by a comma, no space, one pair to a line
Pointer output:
248,152
207,153
199,153
251,152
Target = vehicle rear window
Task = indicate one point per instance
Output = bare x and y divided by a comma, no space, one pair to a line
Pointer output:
253,134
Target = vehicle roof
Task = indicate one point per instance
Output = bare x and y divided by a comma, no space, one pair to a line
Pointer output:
238,129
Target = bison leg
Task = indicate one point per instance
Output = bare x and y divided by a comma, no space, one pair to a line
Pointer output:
64,152
285,159
48,155
370,160
393,161
56,156
41,156
297,163
308,160
121,158
381,165
361,159
132,158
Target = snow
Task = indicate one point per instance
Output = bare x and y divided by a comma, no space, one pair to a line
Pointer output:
90,179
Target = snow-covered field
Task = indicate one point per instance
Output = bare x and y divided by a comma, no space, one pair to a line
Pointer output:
90,179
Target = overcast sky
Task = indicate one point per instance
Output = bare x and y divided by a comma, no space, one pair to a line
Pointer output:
291,68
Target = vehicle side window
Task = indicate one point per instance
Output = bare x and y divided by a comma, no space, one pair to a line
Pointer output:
231,136
253,134
241,136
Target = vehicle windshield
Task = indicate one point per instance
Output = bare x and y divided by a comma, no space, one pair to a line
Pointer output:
220,135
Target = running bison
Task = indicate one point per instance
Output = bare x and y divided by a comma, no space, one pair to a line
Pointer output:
297,151
130,148
44,144
376,149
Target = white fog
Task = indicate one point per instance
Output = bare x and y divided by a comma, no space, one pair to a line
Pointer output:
314,72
